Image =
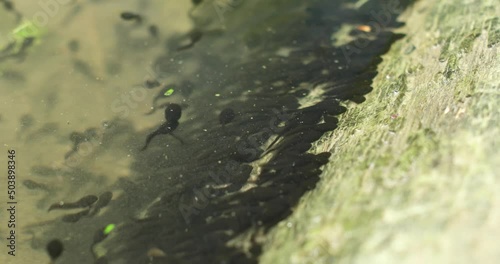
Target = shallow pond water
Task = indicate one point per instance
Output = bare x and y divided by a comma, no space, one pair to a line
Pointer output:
171,132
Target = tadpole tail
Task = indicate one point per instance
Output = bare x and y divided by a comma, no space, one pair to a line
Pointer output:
148,139
145,146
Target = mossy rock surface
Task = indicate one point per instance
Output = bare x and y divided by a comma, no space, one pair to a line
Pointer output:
412,177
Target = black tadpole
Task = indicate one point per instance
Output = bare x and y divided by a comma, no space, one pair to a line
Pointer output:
173,113
165,128
153,31
150,84
131,16
55,249
226,116
73,218
85,201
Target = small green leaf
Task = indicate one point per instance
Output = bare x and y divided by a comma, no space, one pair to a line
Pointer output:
169,92
108,229
27,29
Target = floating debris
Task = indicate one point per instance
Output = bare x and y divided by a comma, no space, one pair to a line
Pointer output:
364,28
108,229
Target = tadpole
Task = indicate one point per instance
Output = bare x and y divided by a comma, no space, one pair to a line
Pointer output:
150,84
85,201
173,113
153,31
226,116
129,16
73,218
55,249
